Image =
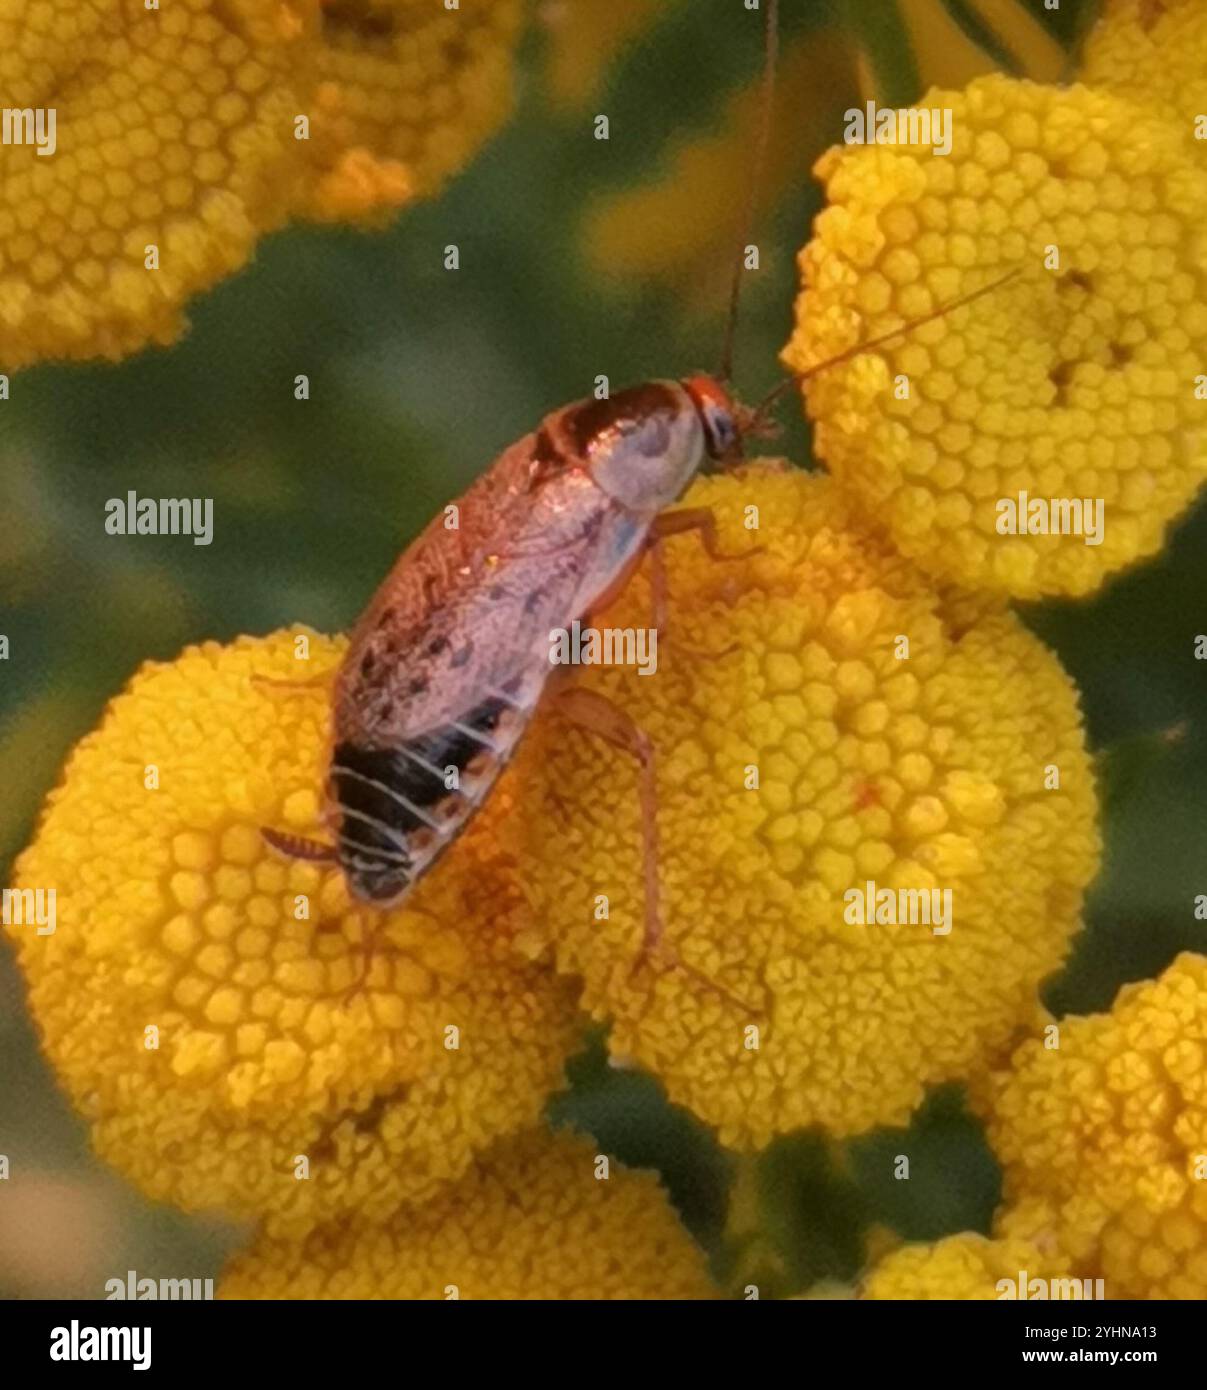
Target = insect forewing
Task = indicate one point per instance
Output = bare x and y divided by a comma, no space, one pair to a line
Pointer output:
467,612
443,671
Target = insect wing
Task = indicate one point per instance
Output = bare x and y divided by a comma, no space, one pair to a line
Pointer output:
450,659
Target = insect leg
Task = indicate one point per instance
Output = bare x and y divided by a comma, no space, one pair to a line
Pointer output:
298,847
660,597
598,715
659,589
368,951
703,521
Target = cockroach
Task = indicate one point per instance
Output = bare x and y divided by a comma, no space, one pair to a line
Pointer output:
448,664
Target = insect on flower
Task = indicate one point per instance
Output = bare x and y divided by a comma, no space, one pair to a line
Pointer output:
448,664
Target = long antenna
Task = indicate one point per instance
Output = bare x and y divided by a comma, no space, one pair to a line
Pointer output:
772,396
766,114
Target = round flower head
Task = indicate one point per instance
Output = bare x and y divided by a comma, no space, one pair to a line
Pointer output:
537,1217
678,226
1154,54
170,149
197,993
966,1267
582,41
1046,434
1103,1138
183,133
825,724
404,92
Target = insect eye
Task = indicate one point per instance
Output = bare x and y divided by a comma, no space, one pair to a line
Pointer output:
720,430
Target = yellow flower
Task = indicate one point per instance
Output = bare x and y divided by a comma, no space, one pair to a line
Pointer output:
404,92
915,771
172,131
1072,382
1155,53
1103,1139
194,998
947,57
964,1266
683,226
531,1219
584,39
174,144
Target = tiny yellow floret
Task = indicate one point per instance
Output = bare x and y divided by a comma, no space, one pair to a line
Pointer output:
538,1217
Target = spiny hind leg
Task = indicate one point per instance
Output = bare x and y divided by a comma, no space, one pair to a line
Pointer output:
598,715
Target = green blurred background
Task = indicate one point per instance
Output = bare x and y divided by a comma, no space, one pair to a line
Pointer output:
418,377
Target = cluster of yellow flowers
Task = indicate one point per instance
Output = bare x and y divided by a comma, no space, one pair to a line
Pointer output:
864,727
966,1266
195,996
183,132
538,1217
1080,378
1101,1128
1154,53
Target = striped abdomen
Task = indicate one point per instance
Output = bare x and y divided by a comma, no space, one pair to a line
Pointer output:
396,809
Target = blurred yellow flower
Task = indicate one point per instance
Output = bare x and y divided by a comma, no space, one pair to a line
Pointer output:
173,131
1154,54
532,1219
404,92
1103,1139
1081,379
195,995
964,1266
683,225
584,39
894,736
947,57
175,144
